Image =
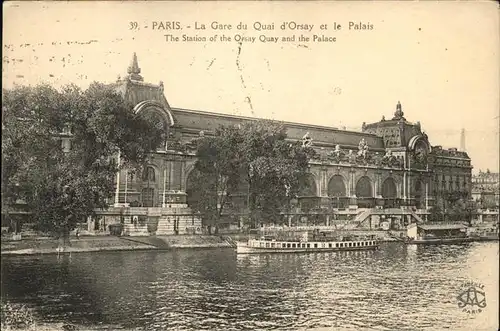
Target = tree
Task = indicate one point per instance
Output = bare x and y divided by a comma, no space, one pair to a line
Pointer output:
63,186
258,154
461,208
275,169
217,173
436,214
457,207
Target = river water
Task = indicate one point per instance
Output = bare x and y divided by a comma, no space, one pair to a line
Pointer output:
398,287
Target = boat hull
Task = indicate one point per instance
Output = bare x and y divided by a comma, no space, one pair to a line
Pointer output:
439,241
248,248
489,238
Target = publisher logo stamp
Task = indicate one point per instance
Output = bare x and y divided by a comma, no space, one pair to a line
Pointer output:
472,298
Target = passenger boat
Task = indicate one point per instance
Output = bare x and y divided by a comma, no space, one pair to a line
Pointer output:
307,242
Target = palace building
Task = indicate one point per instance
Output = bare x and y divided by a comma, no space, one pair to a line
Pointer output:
389,171
387,174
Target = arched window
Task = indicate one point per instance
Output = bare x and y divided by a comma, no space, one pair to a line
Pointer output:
307,186
364,188
419,193
336,187
389,189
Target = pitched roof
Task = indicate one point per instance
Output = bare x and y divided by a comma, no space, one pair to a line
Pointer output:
210,121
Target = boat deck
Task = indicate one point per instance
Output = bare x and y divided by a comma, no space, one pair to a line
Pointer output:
268,246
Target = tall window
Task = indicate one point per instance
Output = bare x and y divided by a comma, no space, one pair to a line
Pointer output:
147,197
336,187
307,186
148,191
149,174
364,188
389,190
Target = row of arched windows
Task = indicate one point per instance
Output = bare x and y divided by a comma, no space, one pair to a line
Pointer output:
337,187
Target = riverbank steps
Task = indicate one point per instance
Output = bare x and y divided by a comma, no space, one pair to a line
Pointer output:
34,246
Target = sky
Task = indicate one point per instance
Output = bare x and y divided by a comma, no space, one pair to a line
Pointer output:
439,59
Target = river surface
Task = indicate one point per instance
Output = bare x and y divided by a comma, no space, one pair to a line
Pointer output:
398,287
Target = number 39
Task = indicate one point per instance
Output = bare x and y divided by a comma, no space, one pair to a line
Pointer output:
133,26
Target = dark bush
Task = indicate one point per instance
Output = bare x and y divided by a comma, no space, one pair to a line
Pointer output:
152,225
142,220
115,229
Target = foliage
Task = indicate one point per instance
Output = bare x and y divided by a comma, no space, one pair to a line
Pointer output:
436,214
258,156
116,229
456,207
62,187
455,197
152,226
217,172
15,316
275,169
142,219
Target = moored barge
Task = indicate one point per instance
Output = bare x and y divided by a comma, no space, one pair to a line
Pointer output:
437,234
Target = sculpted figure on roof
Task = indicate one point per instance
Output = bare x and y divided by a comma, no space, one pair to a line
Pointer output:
352,157
362,148
307,140
337,150
337,154
399,114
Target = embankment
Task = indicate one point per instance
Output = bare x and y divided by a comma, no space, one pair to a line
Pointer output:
110,243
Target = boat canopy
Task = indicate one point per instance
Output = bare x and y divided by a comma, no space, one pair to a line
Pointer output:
443,226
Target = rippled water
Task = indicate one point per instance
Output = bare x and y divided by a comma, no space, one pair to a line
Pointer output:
396,288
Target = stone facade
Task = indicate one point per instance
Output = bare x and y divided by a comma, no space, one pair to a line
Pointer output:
486,193
389,165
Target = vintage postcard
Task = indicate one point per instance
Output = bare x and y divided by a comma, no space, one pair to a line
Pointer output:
254,165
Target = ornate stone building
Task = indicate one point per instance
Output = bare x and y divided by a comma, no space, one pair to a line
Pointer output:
387,171
486,193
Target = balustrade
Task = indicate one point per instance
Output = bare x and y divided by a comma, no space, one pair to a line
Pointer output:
366,202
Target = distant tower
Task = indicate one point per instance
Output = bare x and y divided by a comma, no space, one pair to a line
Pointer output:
462,140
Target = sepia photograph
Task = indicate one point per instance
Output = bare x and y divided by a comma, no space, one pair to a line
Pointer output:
253,165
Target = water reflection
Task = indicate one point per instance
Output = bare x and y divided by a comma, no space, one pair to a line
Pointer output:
397,287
